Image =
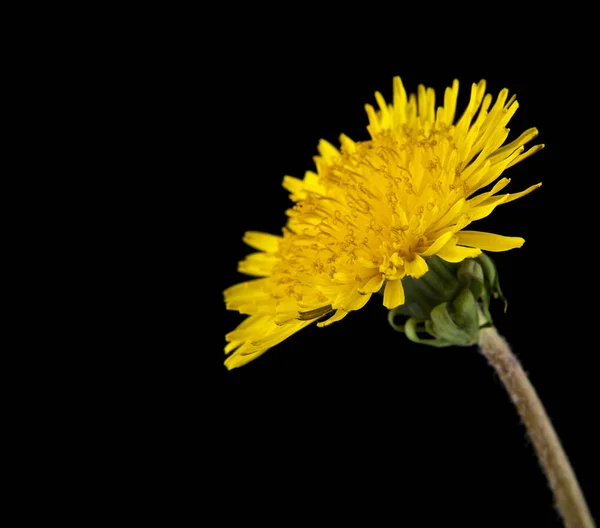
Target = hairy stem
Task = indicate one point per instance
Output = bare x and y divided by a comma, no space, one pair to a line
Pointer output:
567,493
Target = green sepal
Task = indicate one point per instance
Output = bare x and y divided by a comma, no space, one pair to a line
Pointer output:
492,279
470,274
457,322
411,328
465,314
450,302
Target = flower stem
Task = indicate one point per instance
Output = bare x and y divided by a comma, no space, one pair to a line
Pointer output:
561,478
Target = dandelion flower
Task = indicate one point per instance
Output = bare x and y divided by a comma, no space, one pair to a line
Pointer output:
374,212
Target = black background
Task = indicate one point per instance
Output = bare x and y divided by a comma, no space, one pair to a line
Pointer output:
353,422
182,125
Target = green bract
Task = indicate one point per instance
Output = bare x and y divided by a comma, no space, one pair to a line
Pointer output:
450,303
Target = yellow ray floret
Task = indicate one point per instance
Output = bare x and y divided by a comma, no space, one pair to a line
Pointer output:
375,211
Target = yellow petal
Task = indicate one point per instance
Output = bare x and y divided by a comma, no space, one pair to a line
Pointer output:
348,145
365,263
525,137
337,316
453,253
295,186
489,241
450,216
311,183
262,241
246,291
285,318
299,188
383,108
480,198
374,127
393,295
259,307
486,208
261,335
253,325
237,360
516,196
437,245
349,299
400,99
232,346
416,268
358,301
258,264
327,150
275,333
374,284
530,152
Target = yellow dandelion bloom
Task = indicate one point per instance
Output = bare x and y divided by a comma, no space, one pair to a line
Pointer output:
375,211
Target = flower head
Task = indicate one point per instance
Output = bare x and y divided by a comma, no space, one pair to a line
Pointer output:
375,211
